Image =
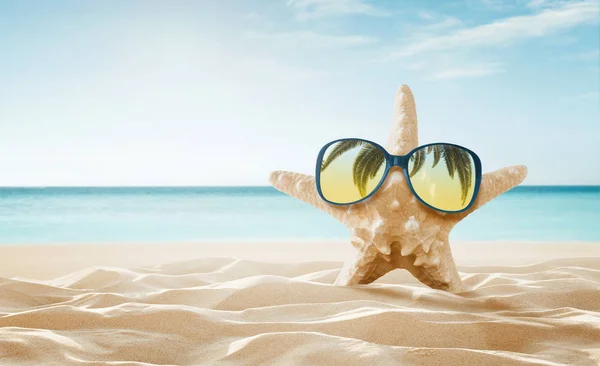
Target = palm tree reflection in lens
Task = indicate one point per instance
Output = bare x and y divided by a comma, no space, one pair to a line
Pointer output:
458,161
369,161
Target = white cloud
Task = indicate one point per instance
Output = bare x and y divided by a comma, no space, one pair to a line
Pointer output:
280,71
498,5
432,22
251,15
312,9
425,15
444,23
587,96
595,95
547,3
419,65
427,24
509,30
473,71
536,3
311,39
592,55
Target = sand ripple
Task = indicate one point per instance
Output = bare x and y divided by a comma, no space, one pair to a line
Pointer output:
228,311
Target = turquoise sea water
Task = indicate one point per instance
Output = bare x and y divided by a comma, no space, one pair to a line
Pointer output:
97,215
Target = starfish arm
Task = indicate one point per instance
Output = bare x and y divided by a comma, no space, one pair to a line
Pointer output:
304,188
366,267
404,134
369,264
494,184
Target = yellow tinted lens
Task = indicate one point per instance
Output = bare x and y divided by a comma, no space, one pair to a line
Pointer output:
350,170
443,176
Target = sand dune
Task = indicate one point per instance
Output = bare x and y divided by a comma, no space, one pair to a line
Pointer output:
232,311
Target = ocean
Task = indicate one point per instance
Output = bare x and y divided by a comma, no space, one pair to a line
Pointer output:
191,214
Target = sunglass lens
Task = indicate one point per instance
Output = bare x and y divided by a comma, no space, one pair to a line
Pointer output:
443,176
350,170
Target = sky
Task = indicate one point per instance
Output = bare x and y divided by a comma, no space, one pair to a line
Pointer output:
119,93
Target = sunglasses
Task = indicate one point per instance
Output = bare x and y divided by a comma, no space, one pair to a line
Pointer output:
444,177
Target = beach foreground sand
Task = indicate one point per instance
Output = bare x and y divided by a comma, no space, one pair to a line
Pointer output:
275,303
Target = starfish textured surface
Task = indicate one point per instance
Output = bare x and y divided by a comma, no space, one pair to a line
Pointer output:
392,229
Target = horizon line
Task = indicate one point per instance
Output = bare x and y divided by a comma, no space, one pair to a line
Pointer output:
243,186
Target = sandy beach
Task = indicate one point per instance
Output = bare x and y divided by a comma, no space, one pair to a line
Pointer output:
275,303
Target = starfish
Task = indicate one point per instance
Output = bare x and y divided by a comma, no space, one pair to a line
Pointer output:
392,229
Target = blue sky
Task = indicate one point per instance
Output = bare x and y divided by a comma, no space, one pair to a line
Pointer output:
222,92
